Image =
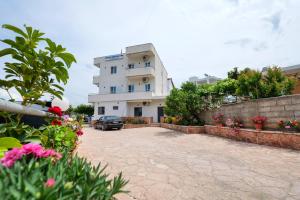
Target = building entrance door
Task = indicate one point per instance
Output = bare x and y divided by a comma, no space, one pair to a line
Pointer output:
160,113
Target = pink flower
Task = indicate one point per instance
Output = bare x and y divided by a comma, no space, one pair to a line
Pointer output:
287,127
49,153
33,149
50,182
11,157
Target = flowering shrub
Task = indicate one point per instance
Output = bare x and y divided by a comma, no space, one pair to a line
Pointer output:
234,123
31,149
218,118
288,125
56,122
60,138
259,119
67,178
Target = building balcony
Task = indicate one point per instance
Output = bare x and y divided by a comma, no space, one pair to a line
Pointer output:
96,80
125,96
140,50
140,72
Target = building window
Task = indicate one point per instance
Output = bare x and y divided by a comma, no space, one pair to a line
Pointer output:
147,87
138,111
130,66
113,69
147,64
113,89
115,107
101,110
130,88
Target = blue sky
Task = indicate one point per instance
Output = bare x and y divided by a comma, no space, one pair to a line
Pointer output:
192,37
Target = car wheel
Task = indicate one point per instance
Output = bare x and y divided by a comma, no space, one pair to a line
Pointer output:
103,128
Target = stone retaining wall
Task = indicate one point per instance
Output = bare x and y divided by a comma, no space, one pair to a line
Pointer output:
127,126
147,120
185,129
275,109
270,138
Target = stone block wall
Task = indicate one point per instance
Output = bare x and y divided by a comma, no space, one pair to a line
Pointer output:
275,109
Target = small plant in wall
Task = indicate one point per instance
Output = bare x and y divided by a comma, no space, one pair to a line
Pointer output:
235,123
288,125
259,122
218,119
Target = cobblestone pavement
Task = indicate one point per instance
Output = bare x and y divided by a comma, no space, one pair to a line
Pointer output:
164,164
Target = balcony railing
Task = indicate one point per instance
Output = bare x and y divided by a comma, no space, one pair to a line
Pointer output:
120,96
140,71
96,80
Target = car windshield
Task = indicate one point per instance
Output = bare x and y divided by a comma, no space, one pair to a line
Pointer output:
112,118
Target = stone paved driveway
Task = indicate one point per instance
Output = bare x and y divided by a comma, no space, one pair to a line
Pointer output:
163,164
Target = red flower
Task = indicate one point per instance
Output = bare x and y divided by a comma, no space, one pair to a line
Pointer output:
55,110
259,119
56,122
79,132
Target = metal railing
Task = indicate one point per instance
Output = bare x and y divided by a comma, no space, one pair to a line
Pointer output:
19,109
122,92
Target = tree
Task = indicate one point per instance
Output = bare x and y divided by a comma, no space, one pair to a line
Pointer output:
233,74
249,83
39,65
256,85
276,83
186,103
84,109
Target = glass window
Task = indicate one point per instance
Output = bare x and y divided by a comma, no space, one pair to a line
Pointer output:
112,118
115,107
130,66
113,69
101,110
147,87
113,89
130,88
147,64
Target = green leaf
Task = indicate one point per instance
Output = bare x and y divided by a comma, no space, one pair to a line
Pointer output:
33,139
9,142
67,58
2,151
14,29
5,52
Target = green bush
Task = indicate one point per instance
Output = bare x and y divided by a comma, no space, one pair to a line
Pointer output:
17,130
188,102
272,83
168,120
60,138
75,178
192,122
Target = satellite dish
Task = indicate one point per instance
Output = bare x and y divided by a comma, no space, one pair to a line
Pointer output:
62,103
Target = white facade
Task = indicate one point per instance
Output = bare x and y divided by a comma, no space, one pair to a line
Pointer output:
131,84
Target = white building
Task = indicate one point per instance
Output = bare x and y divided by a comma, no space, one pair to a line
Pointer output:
134,83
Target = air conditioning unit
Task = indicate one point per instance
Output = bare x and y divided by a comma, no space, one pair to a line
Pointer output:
145,79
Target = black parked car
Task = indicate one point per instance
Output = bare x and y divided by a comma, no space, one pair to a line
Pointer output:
109,122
